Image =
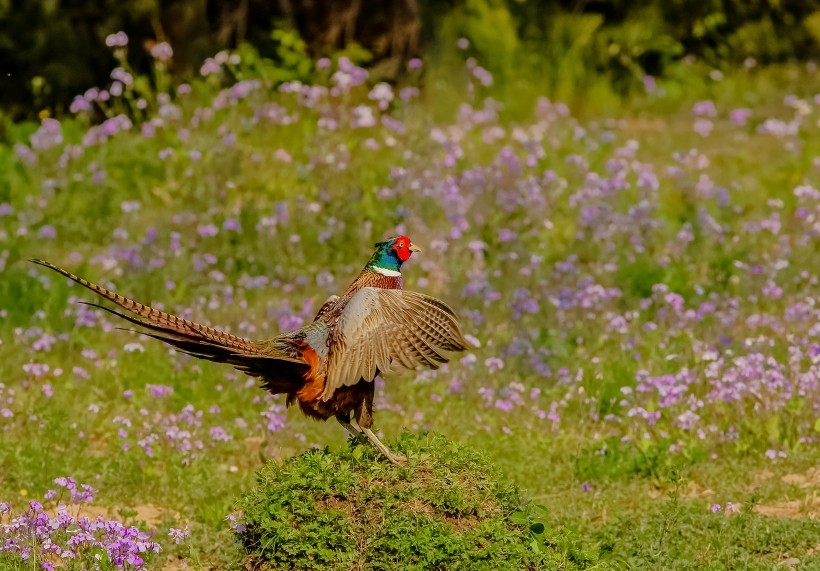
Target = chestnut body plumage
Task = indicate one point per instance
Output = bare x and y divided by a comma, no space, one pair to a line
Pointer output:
327,366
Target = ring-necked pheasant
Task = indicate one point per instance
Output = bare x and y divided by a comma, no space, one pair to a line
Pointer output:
327,366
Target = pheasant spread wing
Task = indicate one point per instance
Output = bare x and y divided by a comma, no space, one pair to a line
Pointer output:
383,327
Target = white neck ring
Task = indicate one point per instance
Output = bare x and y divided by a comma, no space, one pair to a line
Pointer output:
386,272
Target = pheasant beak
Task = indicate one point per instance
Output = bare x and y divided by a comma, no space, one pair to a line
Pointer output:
413,248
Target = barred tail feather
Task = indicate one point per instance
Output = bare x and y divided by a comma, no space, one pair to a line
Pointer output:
159,320
281,371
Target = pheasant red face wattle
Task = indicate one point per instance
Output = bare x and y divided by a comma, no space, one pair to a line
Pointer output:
404,248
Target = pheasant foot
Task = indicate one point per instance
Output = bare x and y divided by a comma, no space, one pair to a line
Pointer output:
397,459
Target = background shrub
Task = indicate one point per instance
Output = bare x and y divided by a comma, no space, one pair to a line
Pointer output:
53,50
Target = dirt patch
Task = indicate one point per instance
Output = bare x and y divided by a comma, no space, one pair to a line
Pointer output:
336,503
810,478
423,475
92,512
809,507
176,565
150,514
762,476
457,524
696,491
98,443
419,507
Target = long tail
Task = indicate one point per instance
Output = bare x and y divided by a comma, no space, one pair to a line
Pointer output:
164,321
257,358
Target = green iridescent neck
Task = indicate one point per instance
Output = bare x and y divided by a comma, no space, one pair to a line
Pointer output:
385,258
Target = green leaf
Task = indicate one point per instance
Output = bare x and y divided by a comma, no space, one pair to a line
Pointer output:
519,518
538,511
358,452
537,528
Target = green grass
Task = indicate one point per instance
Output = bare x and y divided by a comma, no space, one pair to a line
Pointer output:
679,535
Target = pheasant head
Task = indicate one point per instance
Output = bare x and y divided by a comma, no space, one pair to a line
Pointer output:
391,254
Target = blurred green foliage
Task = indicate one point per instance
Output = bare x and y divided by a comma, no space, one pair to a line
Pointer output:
572,41
52,50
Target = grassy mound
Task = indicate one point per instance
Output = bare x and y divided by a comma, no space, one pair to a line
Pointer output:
447,509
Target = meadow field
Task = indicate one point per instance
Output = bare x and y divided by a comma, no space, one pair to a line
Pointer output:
641,282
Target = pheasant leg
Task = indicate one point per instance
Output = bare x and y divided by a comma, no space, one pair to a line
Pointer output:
364,418
356,434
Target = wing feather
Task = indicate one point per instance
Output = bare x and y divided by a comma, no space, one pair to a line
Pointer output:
381,328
